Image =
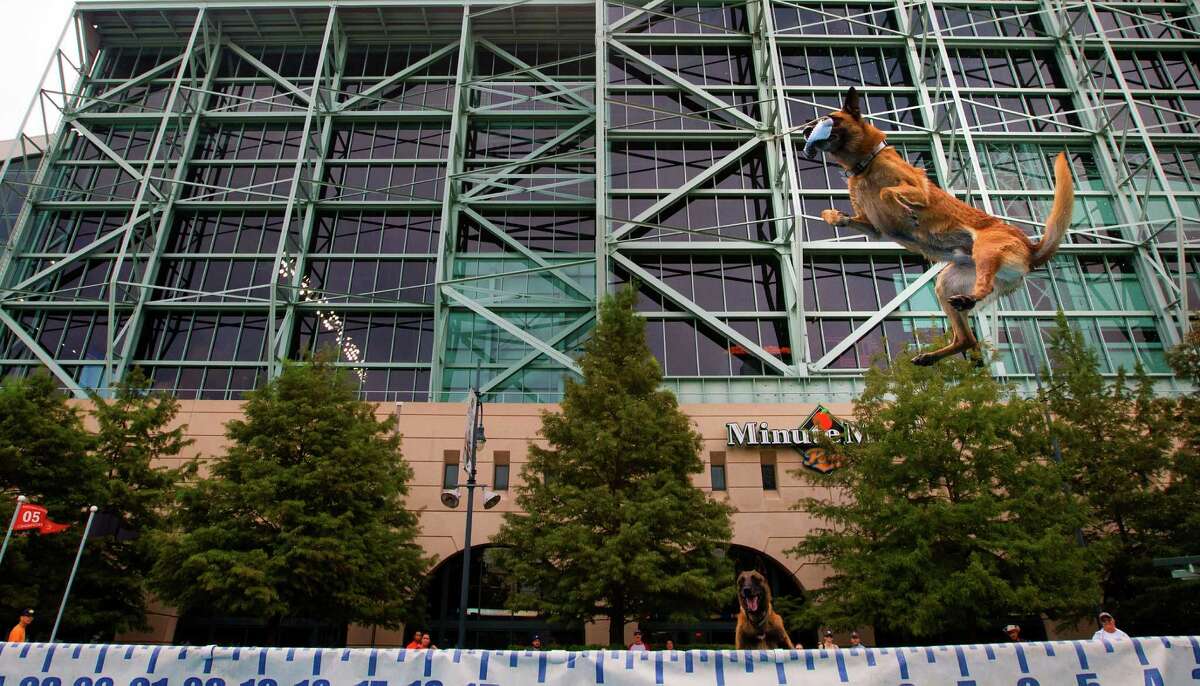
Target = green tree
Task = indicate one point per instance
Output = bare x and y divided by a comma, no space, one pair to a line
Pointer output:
1127,455
1183,490
44,455
48,455
611,524
304,515
950,517
136,441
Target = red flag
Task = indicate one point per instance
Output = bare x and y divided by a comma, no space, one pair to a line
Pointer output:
33,517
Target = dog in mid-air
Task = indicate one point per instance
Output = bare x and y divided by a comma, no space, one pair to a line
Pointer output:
893,200
758,626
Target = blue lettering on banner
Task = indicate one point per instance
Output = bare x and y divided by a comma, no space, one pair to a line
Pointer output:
1083,663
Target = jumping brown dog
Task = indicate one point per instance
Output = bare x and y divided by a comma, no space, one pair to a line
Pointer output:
758,626
893,200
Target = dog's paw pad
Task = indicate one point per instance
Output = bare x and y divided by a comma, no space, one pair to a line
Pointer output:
961,302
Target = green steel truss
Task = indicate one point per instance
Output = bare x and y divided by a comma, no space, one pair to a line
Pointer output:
542,153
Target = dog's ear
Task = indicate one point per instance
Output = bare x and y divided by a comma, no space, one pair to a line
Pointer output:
850,103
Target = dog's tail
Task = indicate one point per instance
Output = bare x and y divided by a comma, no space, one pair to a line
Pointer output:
1060,213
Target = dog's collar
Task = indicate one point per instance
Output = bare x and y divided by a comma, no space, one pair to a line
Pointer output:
866,161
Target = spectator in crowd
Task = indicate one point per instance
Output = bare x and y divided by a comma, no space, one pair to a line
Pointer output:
637,642
427,642
536,644
415,643
1108,629
17,635
1014,633
827,641
855,641
670,644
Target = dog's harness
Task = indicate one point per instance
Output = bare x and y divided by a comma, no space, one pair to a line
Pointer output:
866,162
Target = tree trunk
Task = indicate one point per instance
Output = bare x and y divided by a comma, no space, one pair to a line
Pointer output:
616,622
273,631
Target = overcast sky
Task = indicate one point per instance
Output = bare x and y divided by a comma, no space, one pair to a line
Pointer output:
29,31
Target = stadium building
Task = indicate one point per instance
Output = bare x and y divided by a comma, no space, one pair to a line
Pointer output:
442,189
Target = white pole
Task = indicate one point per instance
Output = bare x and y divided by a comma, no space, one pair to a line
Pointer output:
71,579
12,523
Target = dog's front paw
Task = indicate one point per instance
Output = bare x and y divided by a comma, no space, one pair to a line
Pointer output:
834,217
924,359
962,302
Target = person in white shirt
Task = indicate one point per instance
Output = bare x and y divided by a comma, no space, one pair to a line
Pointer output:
1108,629
637,642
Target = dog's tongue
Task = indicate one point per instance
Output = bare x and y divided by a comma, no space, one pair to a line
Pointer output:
752,603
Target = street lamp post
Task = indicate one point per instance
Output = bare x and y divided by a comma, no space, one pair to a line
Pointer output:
450,498
477,437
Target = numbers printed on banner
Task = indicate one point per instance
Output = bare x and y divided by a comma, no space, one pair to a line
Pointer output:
315,682
259,682
197,681
47,681
1028,681
143,681
1086,679
87,681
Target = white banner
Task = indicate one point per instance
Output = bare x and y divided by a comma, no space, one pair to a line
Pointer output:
1140,662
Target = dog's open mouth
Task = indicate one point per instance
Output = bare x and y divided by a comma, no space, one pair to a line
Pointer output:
750,600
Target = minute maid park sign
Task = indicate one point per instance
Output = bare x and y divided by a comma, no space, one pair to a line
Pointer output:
802,438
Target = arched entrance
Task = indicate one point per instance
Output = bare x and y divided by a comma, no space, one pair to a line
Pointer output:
490,624
718,629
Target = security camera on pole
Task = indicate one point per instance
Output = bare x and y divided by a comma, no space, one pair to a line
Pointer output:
450,498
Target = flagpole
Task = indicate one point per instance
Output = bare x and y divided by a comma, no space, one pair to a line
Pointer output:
12,523
70,580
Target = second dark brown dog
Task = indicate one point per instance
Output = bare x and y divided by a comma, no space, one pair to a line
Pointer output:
758,626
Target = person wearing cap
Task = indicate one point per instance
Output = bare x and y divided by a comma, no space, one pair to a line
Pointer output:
536,644
1014,633
1108,629
17,635
637,642
827,641
855,641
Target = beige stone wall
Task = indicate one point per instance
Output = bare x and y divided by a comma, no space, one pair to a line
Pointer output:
764,520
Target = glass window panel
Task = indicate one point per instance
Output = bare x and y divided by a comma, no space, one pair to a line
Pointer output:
769,481
717,472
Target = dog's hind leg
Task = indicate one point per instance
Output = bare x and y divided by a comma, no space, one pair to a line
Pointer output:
999,267
956,279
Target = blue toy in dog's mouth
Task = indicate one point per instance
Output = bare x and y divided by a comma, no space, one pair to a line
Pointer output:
819,133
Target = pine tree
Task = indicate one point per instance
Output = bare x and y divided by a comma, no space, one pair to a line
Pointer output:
950,518
1119,446
304,515
612,525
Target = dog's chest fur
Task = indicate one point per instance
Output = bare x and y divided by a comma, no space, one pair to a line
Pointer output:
903,226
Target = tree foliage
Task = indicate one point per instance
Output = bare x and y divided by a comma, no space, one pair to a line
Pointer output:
1132,456
950,518
47,454
303,517
611,523
136,441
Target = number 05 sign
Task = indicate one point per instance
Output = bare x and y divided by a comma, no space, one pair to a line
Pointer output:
1140,662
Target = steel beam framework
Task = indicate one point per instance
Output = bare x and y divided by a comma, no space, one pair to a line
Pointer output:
442,190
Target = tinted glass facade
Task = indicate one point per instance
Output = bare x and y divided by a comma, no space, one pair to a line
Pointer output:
441,195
